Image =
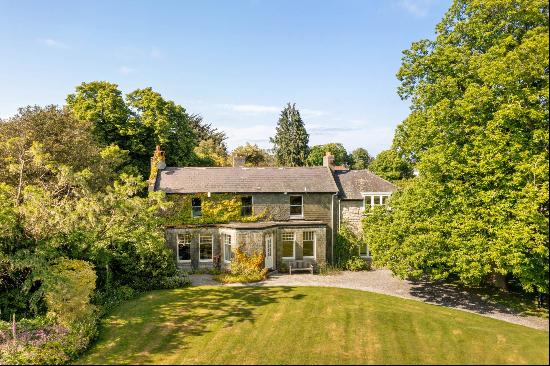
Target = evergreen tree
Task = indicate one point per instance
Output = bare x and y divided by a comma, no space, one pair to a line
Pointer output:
290,143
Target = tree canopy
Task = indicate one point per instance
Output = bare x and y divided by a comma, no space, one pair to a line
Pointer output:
360,159
389,165
316,153
290,143
478,134
253,154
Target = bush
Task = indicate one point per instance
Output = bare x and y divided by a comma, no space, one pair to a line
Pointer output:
245,268
68,287
356,263
42,341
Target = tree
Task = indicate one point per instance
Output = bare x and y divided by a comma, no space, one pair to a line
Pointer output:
389,165
360,159
253,154
136,123
316,153
290,144
478,134
211,153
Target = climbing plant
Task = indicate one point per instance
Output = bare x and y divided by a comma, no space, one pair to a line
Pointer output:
218,208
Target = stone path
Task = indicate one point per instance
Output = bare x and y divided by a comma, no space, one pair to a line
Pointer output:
382,281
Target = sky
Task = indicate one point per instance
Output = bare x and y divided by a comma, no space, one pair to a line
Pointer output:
236,63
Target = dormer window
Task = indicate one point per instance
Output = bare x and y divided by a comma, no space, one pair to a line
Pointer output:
196,207
296,207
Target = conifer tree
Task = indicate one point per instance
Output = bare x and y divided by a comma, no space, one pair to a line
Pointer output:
290,144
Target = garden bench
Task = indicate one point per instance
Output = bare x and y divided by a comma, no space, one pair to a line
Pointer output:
300,266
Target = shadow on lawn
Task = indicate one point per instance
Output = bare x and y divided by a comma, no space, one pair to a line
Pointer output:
481,300
162,322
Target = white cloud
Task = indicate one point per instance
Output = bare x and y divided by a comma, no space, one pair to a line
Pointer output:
155,53
52,43
125,70
418,8
252,108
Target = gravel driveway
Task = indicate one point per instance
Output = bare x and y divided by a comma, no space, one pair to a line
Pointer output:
382,281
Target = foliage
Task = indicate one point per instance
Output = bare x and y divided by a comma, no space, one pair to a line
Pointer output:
478,134
389,165
218,208
68,287
245,268
210,153
253,154
356,263
290,144
316,153
360,159
135,123
346,246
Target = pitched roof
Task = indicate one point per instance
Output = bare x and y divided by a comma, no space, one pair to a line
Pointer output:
245,180
352,182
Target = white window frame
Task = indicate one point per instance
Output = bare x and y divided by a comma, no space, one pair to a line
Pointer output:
301,216
178,242
293,244
211,245
192,207
314,244
379,195
224,243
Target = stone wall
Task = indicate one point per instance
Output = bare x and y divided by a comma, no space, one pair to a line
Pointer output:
351,213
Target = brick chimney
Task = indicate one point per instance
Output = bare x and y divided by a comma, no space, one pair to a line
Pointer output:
238,161
157,163
328,160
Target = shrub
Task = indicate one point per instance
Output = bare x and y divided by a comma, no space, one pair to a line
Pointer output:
68,287
245,268
356,263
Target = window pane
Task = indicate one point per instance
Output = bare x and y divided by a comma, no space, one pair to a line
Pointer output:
288,248
227,253
205,247
295,210
195,202
384,199
246,210
376,200
246,201
196,211
196,207
184,252
296,200
308,243
368,201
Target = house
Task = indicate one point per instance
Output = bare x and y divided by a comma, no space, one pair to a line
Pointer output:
288,213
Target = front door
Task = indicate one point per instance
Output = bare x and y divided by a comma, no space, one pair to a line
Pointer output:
269,251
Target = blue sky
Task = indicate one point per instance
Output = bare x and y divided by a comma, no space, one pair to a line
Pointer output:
236,63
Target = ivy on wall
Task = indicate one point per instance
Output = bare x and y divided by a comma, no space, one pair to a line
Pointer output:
216,209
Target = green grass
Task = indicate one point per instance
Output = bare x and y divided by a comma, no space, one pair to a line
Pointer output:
252,325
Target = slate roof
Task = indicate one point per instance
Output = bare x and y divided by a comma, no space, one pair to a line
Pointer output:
245,180
352,182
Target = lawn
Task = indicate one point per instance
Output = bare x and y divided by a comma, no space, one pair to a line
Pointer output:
304,325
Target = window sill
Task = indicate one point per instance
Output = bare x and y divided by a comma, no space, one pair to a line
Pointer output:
288,258
205,260
184,261
296,217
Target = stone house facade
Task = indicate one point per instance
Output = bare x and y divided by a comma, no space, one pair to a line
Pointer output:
305,205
